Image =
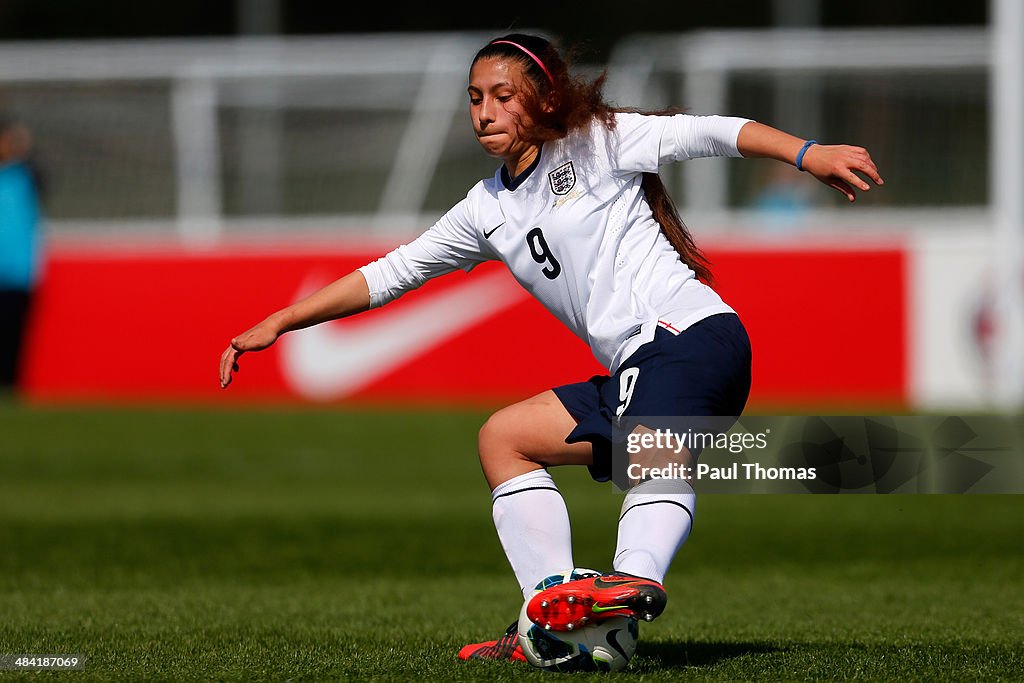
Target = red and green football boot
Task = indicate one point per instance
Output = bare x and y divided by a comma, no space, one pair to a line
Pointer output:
571,605
506,647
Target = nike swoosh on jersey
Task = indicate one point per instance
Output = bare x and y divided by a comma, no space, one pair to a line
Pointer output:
333,360
487,235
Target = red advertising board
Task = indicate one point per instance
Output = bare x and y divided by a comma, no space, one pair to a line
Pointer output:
828,327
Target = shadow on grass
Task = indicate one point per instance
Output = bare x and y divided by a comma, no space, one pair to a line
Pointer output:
679,654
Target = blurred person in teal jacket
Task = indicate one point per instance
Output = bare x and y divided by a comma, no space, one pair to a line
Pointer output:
20,243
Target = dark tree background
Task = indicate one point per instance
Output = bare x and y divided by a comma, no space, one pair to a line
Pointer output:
593,24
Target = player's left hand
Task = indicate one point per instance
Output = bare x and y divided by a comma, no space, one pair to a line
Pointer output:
834,165
255,339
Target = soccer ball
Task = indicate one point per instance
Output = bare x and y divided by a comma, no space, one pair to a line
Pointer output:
602,646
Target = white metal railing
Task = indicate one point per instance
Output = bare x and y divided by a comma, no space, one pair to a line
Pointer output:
705,61
198,70
204,75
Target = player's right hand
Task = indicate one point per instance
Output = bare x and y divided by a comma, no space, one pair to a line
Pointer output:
834,165
255,339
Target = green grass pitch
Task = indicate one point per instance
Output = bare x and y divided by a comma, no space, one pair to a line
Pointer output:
328,544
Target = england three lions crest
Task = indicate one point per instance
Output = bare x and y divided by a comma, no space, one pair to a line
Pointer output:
562,179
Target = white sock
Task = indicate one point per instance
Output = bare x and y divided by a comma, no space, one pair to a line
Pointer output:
533,527
654,523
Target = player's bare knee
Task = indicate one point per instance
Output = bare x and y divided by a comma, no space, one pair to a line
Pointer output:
499,438
494,439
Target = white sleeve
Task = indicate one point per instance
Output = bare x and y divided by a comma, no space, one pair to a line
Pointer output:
451,243
644,142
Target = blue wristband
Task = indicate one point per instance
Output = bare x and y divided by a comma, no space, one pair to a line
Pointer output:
800,154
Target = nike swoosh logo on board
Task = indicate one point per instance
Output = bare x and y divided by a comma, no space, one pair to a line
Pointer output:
487,235
335,359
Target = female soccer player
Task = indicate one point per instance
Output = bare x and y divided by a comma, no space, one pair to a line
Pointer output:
578,214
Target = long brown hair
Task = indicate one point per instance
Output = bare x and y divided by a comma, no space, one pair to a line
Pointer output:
559,103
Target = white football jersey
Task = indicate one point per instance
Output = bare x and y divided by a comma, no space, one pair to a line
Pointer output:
578,234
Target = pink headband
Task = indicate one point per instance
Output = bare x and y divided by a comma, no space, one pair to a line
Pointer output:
532,56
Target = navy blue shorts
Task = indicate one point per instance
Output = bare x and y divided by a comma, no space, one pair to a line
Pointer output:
704,370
